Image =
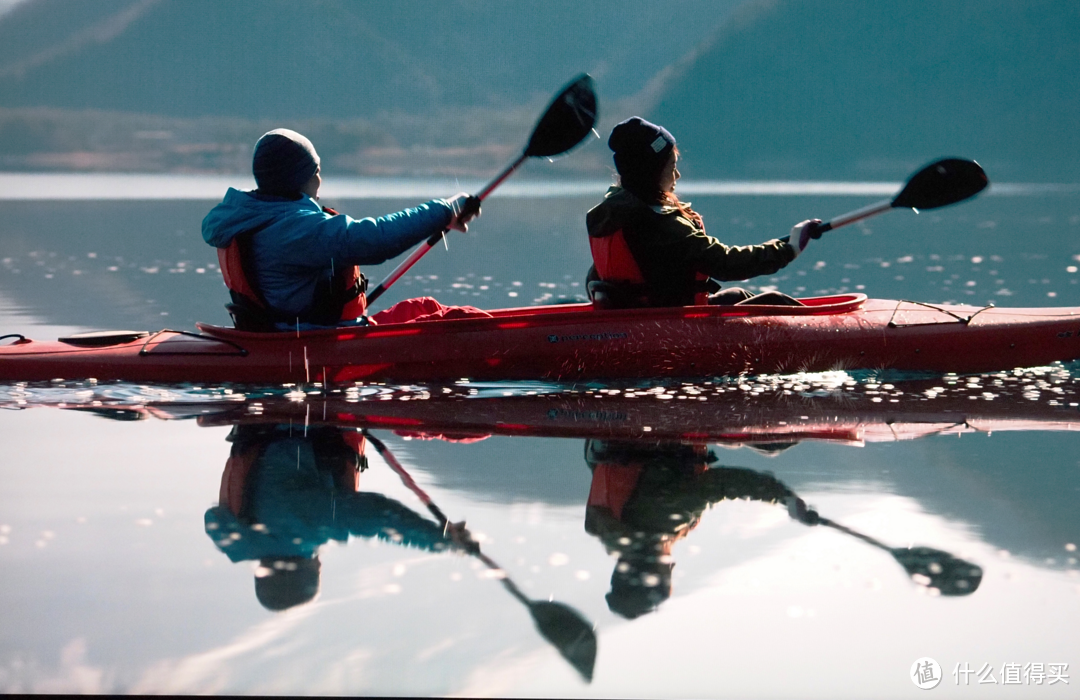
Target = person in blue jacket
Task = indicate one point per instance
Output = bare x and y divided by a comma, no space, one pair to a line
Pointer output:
295,260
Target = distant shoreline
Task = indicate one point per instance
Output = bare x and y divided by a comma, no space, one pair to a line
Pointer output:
21,186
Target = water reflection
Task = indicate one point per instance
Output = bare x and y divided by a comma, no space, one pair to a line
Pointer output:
653,494
286,492
647,496
288,488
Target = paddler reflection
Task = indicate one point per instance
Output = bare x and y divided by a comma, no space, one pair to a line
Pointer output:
645,497
285,492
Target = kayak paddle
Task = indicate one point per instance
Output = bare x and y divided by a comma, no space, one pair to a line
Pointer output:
566,122
929,567
560,624
939,184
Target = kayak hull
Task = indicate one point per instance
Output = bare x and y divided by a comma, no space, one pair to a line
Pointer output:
575,342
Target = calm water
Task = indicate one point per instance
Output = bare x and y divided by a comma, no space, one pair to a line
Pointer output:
140,526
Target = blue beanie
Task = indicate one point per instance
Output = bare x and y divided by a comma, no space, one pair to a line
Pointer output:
641,150
284,160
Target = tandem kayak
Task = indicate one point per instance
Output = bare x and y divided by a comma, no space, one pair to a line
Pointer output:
576,342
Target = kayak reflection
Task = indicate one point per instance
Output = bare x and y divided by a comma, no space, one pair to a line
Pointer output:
644,497
285,493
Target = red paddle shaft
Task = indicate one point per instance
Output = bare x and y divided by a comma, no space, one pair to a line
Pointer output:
430,243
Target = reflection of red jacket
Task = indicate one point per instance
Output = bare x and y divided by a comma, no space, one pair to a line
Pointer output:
612,485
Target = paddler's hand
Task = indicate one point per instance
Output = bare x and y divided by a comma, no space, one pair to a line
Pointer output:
466,208
802,233
461,537
798,510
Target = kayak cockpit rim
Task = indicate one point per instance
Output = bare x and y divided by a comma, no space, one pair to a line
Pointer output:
556,314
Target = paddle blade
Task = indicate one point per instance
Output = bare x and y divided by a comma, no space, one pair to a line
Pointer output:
568,120
942,183
571,634
941,570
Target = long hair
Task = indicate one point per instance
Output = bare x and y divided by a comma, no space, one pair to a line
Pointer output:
671,199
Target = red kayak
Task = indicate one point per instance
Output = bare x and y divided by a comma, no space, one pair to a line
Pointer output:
575,342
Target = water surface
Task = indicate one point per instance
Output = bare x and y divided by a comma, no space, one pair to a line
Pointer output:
666,516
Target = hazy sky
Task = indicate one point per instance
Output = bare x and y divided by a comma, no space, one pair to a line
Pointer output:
6,5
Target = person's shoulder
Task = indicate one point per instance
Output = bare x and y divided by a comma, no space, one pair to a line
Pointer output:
610,207
668,209
617,199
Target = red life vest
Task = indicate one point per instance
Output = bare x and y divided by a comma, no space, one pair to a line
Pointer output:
613,260
612,485
615,264
614,482
341,299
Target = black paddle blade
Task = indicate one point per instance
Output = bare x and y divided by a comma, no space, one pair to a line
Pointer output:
942,183
941,570
571,634
568,120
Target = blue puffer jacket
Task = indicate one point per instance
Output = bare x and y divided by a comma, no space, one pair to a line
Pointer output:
299,243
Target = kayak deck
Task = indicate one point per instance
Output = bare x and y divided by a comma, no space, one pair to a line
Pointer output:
579,342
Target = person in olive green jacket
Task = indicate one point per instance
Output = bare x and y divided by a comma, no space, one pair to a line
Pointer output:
651,249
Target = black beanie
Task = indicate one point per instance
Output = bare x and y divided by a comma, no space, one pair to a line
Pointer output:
284,161
290,581
641,151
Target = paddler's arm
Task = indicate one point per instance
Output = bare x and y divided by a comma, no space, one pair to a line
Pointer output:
679,242
726,263
735,483
369,515
372,241
731,483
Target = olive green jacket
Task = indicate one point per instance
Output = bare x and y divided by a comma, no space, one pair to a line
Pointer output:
670,248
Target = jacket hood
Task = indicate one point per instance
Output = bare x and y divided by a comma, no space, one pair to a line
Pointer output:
244,211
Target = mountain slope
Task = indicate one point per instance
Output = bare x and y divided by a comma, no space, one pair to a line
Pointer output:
818,88
331,58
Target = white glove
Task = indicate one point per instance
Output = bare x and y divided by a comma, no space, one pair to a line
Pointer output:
801,235
466,208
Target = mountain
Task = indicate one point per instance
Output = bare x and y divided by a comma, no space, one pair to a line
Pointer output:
338,59
820,88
